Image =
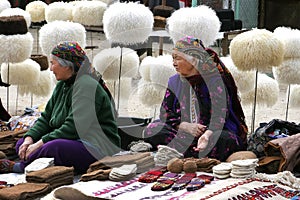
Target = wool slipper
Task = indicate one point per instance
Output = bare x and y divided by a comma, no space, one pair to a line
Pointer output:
195,184
6,166
152,175
125,172
165,182
183,181
206,178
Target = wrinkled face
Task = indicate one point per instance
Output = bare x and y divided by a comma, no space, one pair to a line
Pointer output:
60,72
185,67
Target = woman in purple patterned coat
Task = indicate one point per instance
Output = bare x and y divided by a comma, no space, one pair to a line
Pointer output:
201,114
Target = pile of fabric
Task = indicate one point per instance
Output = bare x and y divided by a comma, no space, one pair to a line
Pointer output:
8,141
55,176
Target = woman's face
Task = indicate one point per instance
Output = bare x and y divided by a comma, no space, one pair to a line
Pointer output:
60,72
183,67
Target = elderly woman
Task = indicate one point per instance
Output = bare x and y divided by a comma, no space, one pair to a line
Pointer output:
201,114
78,125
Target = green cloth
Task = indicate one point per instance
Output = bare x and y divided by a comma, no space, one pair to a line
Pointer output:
78,109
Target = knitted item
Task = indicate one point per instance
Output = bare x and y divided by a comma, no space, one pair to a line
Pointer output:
25,191
241,155
165,182
2,155
6,166
164,154
189,166
38,164
206,178
139,146
183,181
195,184
123,173
152,175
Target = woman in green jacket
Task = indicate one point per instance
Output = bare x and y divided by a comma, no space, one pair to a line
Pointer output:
78,125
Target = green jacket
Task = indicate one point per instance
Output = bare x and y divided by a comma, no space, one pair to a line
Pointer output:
79,109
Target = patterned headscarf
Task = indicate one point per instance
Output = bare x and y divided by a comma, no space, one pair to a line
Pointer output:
70,51
188,42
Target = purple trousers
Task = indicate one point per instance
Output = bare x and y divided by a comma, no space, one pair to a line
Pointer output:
65,153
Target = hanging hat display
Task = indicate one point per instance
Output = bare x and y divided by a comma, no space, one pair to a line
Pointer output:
202,22
4,4
36,9
55,32
17,12
11,25
58,11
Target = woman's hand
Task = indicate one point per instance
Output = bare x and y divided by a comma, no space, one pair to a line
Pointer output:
23,148
33,147
203,141
194,129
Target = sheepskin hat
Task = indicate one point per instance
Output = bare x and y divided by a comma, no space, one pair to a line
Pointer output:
18,12
149,94
41,88
201,22
267,92
107,62
58,11
127,23
15,48
70,51
125,90
12,25
36,9
4,4
288,72
291,38
55,32
256,49
42,60
245,80
89,13
294,96
23,73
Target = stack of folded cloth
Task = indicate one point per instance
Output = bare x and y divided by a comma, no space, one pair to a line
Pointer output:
55,175
123,173
143,160
164,154
222,170
204,164
25,191
243,168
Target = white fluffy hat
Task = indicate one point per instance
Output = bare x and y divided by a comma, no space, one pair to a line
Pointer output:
295,96
127,23
55,32
36,10
58,11
291,38
15,48
41,88
201,22
245,80
149,94
23,73
4,4
89,13
288,72
256,49
107,62
267,92
17,11
157,70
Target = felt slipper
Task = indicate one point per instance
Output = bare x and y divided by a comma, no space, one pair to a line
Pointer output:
206,178
195,184
152,175
125,172
183,181
165,181
38,164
